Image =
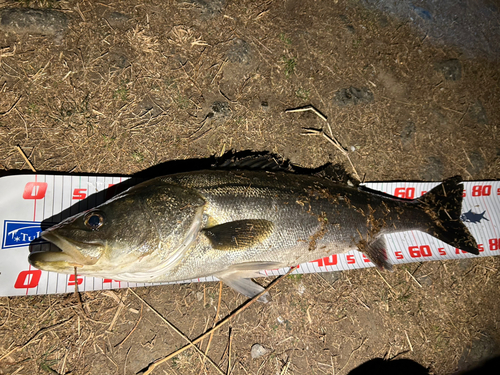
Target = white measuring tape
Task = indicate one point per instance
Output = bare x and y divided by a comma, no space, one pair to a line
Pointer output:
27,200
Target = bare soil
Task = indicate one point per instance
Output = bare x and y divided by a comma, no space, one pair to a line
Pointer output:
117,87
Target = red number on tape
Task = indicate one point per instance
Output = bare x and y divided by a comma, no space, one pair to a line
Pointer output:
331,260
480,247
326,261
350,259
441,251
35,190
319,261
414,253
399,255
407,193
79,193
494,243
365,259
425,250
420,251
71,280
481,191
28,279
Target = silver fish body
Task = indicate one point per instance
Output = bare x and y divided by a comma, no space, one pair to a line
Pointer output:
232,224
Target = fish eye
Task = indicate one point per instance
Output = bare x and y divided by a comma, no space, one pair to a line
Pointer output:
93,220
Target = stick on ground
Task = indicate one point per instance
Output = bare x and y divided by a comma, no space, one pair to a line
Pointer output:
191,343
25,158
224,321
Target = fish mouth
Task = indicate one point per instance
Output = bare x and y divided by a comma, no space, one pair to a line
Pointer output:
62,257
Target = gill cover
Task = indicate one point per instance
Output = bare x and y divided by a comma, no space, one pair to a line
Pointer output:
150,226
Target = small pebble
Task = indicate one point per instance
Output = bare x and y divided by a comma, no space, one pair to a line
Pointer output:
221,107
433,170
478,351
423,13
425,280
353,96
34,21
465,264
477,163
117,19
199,296
219,111
331,277
301,289
209,8
478,114
408,134
258,351
239,52
451,69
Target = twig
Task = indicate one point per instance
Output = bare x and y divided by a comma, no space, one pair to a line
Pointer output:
229,355
11,107
350,355
407,338
133,329
385,281
463,115
215,322
40,332
126,357
224,321
78,296
25,158
115,318
330,138
191,343
333,141
308,108
413,277
284,370
218,71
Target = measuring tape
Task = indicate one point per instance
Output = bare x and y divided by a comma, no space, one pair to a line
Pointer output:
27,200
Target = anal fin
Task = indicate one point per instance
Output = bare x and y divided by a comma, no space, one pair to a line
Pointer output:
244,286
376,251
238,277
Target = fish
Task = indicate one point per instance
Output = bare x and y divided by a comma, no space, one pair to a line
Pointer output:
234,224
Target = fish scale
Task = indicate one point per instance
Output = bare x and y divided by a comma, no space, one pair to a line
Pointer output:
233,224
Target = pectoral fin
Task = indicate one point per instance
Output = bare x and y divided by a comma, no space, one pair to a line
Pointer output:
376,251
238,235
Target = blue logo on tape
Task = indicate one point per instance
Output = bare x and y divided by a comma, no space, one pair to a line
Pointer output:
20,233
473,217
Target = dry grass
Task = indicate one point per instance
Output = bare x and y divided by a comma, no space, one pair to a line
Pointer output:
118,99
357,318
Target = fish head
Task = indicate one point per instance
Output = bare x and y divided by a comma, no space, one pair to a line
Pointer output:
134,233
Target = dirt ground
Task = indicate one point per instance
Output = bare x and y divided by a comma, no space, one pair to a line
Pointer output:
117,87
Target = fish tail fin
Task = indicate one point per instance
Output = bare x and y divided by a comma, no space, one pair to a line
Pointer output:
443,205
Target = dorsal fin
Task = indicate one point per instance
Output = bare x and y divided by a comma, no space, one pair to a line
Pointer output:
253,161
